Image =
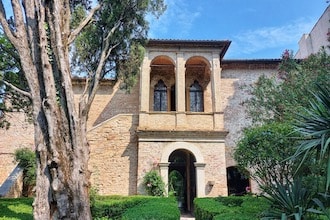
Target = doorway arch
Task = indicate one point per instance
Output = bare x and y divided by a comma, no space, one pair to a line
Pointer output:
195,164
182,178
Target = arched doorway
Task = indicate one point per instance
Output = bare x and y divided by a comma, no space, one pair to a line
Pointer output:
182,178
237,182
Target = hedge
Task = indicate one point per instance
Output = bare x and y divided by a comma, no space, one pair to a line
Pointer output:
104,207
159,208
135,207
229,208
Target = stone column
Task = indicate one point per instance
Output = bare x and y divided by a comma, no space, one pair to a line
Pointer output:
164,174
144,92
216,95
200,179
215,82
180,91
145,84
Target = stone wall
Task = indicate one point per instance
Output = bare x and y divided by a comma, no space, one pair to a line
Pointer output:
13,185
104,94
113,144
150,154
19,135
235,90
235,87
113,155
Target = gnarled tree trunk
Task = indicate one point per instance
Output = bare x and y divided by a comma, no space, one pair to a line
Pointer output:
40,36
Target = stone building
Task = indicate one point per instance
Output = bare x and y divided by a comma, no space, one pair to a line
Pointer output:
185,115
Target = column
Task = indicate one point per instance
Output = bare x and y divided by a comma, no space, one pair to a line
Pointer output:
144,92
164,174
180,91
216,92
215,82
180,83
145,85
200,179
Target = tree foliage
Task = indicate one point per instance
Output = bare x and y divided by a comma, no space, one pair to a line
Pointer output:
263,150
287,92
11,99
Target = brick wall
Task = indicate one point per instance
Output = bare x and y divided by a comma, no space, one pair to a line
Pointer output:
113,144
113,155
19,135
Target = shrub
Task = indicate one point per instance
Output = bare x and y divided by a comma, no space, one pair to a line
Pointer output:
230,201
154,208
230,208
112,207
291,199
154,184
26,159
206,208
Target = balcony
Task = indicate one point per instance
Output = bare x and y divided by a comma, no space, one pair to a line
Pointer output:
175,121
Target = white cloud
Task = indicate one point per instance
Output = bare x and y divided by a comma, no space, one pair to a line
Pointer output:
178,19
252,41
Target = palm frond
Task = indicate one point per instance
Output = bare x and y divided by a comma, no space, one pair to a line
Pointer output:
314,124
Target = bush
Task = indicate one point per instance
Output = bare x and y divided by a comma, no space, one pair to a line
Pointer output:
230,208
26,159
154,208
154,184
291,199
230,201
134,207
112,207
206,208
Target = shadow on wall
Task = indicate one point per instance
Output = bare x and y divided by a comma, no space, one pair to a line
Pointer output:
131,152
120,103
13,185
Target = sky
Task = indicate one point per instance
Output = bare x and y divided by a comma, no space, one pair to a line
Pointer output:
257,29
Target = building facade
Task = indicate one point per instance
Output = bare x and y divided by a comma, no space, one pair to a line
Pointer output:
318,37
184,116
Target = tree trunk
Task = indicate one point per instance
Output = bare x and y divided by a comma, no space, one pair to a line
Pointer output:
40,37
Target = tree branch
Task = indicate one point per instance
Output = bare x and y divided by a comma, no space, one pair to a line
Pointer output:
25,93
5,25
76,31
106,50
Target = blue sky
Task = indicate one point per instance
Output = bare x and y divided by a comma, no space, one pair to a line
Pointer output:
257,28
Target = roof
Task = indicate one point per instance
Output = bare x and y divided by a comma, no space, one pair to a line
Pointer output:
223,45
251,64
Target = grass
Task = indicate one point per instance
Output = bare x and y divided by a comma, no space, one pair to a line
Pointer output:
11,209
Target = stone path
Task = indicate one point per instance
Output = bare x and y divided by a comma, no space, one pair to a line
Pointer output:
186,216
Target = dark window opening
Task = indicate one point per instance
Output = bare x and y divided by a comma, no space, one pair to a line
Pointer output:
237,183
160,96
196,98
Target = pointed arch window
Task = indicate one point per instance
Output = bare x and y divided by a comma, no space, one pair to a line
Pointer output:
196,97
160,96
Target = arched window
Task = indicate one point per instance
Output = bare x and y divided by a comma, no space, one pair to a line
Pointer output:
196,98
160,96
